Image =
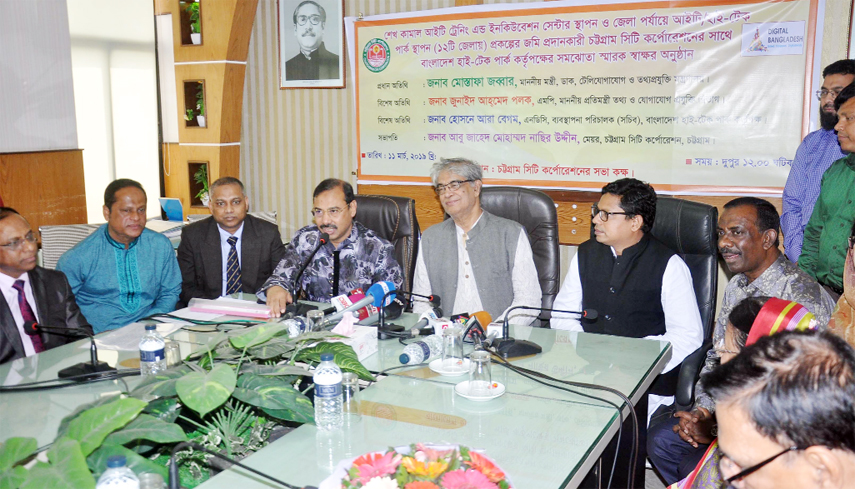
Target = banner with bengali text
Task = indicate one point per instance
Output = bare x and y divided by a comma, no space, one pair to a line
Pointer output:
704,97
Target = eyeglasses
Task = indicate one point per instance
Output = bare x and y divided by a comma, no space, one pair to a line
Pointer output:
820,94
452,186
15,244
719,351
604,215
314,19
333,212
753,468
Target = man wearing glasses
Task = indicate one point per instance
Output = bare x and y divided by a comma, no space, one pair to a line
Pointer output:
785,410
354,257
31,293
815,154
475,261
640,287
313,62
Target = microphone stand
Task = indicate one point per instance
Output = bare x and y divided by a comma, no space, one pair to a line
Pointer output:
510,348
174,482
92,369
381,325
323,238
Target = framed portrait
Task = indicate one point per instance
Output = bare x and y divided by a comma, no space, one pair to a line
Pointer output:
311,43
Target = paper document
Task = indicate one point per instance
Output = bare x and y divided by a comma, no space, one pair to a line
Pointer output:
128,338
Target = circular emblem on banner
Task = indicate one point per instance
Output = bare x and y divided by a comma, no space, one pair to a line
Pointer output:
376,55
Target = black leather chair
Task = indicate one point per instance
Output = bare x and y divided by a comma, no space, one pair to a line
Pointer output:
394,219
690,229
536,212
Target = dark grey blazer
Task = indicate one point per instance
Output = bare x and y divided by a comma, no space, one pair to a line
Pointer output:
55,307
201,259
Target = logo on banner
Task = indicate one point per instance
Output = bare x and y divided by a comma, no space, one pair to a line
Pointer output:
777,39
376,55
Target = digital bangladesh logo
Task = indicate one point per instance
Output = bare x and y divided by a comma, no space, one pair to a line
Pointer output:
376,55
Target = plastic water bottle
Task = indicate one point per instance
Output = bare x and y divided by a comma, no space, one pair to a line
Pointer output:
152,355
118,475
296,326
422,350
328,408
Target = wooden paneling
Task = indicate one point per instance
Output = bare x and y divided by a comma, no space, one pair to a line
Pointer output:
226,27
573,208
223,102
45,187
222,161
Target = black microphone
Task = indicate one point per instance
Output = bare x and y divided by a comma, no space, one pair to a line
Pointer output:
174,483
323,238
511,348
434,300
92,369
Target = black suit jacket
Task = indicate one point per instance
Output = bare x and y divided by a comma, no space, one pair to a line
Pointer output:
322,66
201,258
55,308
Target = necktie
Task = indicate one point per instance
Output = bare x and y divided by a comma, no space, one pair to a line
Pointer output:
27,313
232,268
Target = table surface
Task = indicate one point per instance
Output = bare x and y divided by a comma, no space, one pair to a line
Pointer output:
543,437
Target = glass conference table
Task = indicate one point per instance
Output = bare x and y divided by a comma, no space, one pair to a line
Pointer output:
541,436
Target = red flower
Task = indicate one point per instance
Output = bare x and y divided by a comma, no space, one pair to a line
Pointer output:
467,479
376,465
486,467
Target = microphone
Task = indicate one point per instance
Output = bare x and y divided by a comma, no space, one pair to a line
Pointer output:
478,322
376,295
392,311
323,238
174,482
511,348
422,326
434,300
92,369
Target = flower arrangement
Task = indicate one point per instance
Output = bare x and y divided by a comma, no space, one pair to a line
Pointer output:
424,468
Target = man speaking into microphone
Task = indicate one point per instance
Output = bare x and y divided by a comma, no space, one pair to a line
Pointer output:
355,256
475,261
31,293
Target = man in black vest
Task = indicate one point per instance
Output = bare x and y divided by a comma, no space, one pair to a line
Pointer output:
640,287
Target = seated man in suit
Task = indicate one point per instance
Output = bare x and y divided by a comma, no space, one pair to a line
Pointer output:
475,261
748,242
123,272
640,287
31,293
354,257
230,251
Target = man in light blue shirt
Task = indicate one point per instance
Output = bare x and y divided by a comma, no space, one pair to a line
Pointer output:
815,155
122,272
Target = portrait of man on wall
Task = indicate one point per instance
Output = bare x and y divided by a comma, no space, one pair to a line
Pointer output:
311,44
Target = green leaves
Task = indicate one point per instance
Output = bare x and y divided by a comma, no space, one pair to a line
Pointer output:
256,335
161,384
98,461
92,426
146,427
13,478
67,468
15,450
344,357
275,397
204,392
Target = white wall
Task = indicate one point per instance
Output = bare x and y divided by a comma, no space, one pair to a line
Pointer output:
115,92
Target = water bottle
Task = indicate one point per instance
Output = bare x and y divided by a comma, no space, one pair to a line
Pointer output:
152,355
328,408
296,326
422,350
118,475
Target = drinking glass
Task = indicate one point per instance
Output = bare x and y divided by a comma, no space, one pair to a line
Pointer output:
349,390
452,350
172,352
315,318
480,378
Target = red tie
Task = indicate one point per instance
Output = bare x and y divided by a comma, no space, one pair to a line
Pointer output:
27,314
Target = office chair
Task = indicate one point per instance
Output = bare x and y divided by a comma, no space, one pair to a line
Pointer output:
393,218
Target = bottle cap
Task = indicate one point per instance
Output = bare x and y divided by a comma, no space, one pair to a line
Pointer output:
151,327
326,357
404,358
116,461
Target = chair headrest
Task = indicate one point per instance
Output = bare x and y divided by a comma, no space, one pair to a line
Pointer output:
382,213
688,227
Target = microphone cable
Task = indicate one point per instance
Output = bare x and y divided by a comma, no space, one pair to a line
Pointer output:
76,380
531,374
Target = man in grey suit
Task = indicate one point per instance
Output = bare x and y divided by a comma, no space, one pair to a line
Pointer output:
31,293
230,251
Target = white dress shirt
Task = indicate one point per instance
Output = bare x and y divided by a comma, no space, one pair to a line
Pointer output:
226,247
11,296
524,281
683,326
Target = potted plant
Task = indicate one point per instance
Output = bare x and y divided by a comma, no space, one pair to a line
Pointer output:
195,23
201,177
200,105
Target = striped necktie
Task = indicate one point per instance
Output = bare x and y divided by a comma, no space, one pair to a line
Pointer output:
28,314
232,268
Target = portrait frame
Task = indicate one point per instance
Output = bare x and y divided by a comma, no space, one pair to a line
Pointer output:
332,44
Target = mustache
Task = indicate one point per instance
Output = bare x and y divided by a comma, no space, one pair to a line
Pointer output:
331,227
731,251
309,33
